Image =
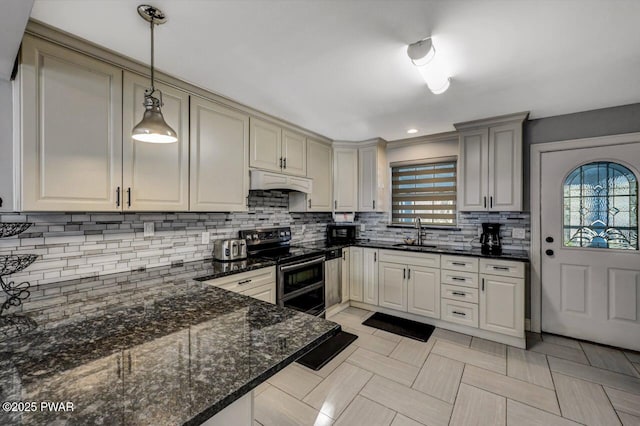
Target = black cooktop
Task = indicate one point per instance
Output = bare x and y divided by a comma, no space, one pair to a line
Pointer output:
290,254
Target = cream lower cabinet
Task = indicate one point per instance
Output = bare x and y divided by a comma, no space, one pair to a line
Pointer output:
356,284
370,276
259,283
423,288
219,157
155,177
502,298
346,275
71,130
392,286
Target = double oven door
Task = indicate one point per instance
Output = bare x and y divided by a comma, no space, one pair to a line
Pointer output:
301,285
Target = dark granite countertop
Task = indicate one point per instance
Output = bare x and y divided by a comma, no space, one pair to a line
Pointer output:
179,355
517,255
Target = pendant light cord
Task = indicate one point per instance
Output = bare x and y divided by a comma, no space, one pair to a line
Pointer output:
153,87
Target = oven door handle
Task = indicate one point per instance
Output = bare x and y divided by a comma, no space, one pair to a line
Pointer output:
299,265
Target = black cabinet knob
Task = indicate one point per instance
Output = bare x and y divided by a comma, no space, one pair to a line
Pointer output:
549,252
549,239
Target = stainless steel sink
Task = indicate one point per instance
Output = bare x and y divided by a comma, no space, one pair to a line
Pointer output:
415,245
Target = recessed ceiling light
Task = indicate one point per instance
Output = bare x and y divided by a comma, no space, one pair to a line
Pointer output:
412,131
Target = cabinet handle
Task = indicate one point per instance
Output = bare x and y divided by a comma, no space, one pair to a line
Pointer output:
404,273
485,202
491,201
458,293
118,197
483,284
375,256
374,204
500,268
335,204
458,279
409,274
285,162
462,314
244,282
128,197
458,263
309,202
247,201
344,254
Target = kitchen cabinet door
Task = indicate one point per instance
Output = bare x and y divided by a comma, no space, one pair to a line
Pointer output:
155,176
393,286
346,274
266,146
219,173
370,276
345,182
502,304
71,130
294,153
367,179
505,167
320,168
356,262
473,177
424,291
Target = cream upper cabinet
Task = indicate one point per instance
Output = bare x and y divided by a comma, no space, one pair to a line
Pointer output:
276,149
372,177
155,176
319,169
345,179
294,153
71,130
345,275
266,145
490,164
370,276
356,290
219,150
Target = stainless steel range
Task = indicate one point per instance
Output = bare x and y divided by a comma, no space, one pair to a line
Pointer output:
300,278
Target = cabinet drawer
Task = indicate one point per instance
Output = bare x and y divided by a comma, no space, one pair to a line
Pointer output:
460,263
454,292
266,293
410,258
465,279
459,312
502,267
245,280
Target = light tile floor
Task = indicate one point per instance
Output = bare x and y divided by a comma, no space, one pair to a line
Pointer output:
454,379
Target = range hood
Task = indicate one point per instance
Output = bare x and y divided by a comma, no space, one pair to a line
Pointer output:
266,181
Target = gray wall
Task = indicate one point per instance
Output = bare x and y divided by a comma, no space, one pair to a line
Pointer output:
586,124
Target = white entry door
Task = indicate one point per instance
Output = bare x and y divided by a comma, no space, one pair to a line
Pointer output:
589,244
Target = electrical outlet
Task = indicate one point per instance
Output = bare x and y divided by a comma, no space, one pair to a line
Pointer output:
149,229
518,233
362,227
206,237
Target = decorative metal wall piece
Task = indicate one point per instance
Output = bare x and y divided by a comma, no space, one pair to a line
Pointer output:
601,207
12,263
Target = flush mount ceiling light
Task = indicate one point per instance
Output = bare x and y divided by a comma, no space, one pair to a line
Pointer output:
423,56
153,128
412,131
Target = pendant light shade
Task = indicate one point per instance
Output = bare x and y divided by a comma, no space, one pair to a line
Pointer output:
153,128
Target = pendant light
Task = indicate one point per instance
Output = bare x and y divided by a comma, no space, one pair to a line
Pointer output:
153,128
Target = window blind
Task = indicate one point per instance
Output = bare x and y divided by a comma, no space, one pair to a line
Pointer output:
427,191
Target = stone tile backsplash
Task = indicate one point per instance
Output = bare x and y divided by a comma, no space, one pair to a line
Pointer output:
465,234
78,245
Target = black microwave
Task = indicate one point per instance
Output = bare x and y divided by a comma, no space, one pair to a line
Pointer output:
341,234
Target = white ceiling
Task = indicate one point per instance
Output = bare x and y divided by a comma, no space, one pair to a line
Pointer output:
340,67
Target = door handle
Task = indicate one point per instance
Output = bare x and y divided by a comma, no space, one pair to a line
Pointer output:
375,256
549,239
483,284
374,204
491,202
458,293
409,274
128,197
462,314
280,162
335,204
309,202
485,202
118,197
404,273
548,252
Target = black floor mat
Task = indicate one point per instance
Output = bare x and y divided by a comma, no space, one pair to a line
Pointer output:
403,327
320,356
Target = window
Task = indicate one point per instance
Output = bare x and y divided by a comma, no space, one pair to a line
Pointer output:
426,190
601,207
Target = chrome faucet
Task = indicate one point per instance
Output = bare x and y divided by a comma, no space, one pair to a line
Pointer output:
418,226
